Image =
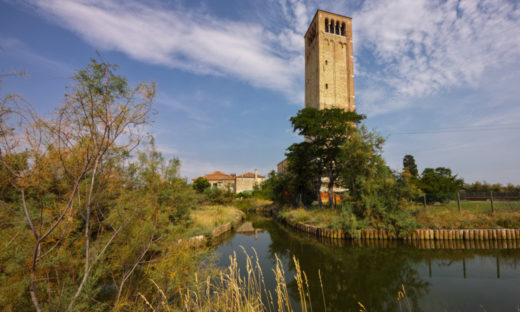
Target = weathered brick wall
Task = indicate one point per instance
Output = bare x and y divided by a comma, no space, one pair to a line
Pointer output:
329,64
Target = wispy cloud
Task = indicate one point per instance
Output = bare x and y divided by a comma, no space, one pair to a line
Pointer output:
190,41
423,47
417,47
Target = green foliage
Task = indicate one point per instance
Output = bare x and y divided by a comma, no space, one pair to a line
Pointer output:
351,157
278,188
326,131
349,220
303,169
374,190
439,184
74,180
217,196
484,187
409,164
201,184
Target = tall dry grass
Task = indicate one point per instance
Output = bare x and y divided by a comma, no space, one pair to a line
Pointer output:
233,291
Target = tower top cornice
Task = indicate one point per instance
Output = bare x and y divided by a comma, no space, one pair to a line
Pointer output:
326,12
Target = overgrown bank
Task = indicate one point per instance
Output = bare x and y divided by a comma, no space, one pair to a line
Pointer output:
93,216
340,163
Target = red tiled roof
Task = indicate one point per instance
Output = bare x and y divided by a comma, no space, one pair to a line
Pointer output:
249,175
218,175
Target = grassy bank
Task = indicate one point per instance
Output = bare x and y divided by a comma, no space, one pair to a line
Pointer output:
251,204
208,217
473,215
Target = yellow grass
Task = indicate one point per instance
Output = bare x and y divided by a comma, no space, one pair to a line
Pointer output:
323,218
232,290
450,219
207,218
473,215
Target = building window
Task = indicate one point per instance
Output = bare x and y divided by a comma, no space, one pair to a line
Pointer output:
326,62
326,86
337,28
326,25
343,29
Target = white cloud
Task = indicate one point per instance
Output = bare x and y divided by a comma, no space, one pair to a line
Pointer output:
421,47
194,42
424,47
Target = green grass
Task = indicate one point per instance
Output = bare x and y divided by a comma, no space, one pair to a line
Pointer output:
322,218
473,215
474,206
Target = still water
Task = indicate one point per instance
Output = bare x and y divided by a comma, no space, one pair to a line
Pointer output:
434,279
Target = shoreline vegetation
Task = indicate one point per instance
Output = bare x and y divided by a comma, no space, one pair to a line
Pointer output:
418,234
337,180
434,217
95,218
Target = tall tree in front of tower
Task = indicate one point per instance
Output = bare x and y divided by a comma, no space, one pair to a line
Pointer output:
303,172
326,131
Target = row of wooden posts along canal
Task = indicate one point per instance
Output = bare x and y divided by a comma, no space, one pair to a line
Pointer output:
423,244
420,234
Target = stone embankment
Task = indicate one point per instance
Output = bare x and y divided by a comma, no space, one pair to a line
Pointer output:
419,234
218,231
227,227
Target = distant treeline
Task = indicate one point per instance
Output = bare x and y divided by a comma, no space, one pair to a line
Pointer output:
496,187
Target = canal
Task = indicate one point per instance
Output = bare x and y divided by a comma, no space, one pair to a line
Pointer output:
436,278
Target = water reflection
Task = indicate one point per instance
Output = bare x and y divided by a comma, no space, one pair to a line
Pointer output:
436,277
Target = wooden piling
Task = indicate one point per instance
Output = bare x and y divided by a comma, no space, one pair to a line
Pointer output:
492,206
458,200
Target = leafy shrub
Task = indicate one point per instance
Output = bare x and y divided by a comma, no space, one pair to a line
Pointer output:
201,184
217,196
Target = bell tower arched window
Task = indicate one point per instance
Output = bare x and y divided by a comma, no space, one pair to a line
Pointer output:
326,25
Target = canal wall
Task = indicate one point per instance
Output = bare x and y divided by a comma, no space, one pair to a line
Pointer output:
419,234
216,233
227,227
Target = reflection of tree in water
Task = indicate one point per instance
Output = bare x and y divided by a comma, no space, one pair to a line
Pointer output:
351,275
370,275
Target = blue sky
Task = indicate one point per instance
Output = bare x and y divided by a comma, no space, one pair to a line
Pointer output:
439,79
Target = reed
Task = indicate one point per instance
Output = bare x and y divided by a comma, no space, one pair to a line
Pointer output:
232,290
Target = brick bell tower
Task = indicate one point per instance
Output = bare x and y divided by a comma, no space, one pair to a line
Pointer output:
329,62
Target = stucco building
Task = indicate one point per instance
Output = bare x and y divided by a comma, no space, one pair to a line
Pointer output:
233,183
221,180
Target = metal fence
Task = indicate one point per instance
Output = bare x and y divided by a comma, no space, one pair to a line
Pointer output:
484,201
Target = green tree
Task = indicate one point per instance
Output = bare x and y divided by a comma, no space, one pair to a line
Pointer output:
409,164
60,179
302,169
439,184
201,184
375,193
326,131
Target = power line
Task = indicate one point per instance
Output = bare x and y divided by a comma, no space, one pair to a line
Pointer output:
459,129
